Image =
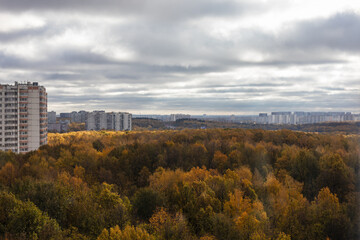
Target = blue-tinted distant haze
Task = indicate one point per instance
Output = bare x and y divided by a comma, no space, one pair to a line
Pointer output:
169,56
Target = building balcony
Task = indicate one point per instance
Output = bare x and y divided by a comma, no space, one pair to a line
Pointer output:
11,125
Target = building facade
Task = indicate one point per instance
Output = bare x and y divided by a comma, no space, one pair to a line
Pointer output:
78,117
51,117
100,120
23,117
174,117
304,117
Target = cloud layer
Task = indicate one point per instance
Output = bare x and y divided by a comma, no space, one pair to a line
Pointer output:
160,56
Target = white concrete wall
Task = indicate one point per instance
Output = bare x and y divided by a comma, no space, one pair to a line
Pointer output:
33,119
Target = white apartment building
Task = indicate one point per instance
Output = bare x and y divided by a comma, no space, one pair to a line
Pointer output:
23,117
125,121
96,120
100,120
52,117
174,117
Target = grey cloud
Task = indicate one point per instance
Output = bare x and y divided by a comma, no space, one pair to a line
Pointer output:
334,88
10,61
56,60
63,76
172,50
236,90
116,103
312,42
82,56
340,32
22,34
308,102
303,94
155,9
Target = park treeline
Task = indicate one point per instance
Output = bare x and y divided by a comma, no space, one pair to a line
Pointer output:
191,184
325,127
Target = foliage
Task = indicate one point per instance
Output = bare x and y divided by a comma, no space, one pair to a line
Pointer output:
190,184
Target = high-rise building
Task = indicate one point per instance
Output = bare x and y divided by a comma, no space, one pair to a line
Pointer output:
23,117
100,120
96,120
125,121
79,117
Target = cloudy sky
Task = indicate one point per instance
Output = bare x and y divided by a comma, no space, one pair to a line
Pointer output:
189,56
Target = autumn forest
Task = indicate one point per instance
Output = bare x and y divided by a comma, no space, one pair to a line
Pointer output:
214,184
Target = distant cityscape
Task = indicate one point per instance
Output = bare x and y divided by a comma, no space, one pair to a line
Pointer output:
266,118
25,121
122,121
95,120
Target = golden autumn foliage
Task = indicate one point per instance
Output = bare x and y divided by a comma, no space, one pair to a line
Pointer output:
129,233
217,184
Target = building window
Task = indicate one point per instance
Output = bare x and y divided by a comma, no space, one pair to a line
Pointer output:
11,122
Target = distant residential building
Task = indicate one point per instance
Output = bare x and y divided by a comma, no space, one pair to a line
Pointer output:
126,120
100,120
60,126
113,121
65,115
96,120
262,114
174,117
263,118
78,117
152,116
54,127
52,117
23,122
304,117
280,117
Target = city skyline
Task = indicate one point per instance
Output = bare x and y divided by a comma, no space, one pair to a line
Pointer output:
203,57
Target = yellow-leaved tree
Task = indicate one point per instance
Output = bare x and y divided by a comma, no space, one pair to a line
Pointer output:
129,233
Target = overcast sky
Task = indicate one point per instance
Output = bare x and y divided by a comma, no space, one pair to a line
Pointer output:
188,56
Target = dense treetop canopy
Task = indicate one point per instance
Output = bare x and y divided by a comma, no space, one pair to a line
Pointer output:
188,184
